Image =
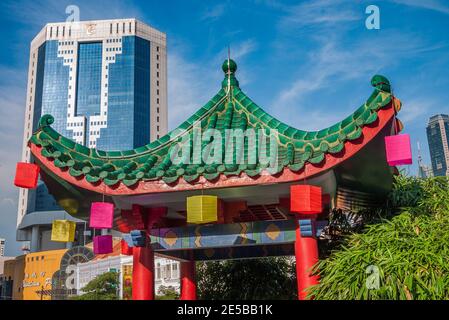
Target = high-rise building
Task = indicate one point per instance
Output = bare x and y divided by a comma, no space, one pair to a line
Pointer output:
2,247
438,138
105,84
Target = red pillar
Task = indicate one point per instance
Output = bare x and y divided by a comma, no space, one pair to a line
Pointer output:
188,281
143,273
306,253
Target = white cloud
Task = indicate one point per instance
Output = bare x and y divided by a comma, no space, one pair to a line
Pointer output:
434,5
188,88
243,48
321,12
214,12
415,108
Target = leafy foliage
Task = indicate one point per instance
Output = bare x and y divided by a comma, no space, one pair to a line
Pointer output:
102,287
264,278
408,244
167,293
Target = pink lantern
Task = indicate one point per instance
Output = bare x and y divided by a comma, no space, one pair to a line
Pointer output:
398,149
101,215
103,244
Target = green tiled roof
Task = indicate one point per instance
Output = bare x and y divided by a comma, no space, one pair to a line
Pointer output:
230,108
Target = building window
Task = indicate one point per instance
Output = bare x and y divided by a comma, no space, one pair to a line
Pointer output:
110,28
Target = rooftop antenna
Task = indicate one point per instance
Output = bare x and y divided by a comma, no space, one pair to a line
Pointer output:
419,153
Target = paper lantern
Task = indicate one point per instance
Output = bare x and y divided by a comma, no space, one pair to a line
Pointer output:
101,215
305,199
63,231
26,175
202,209
126,250
398,149
103,244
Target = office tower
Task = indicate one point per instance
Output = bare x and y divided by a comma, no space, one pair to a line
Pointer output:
105,84
438,138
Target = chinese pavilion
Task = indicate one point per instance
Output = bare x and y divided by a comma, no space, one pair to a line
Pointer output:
254,215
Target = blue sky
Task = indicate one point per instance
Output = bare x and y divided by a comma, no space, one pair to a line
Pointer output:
308,63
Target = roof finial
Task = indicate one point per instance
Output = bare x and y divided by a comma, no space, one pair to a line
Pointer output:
229,67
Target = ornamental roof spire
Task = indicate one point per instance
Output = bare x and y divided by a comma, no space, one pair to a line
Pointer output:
229,67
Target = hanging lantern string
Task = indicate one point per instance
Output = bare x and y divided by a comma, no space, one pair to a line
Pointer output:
395,129
305,173
104,184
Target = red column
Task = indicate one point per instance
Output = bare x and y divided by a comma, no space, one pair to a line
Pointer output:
143,273
188,282
306,253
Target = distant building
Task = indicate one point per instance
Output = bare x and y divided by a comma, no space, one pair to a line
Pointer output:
438,138
2,247
167,272
5,279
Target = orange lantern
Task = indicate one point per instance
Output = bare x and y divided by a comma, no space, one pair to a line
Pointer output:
305,199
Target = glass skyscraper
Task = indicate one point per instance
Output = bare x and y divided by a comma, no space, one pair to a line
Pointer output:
104,82
438,138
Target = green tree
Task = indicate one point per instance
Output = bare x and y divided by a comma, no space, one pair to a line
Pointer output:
263,278
407,246
167,293
103,287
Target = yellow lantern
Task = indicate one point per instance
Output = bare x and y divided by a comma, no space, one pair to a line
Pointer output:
63,231
202,209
